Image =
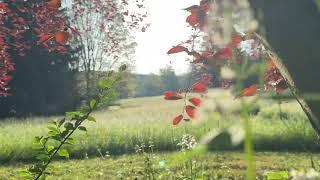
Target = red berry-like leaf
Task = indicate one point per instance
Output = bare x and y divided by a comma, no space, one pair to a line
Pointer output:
171,95
54,3
249,91
62,37
191,111
195,101
177,120
177,49
199,87
192,19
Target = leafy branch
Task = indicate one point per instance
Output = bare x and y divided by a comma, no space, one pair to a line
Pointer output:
60,131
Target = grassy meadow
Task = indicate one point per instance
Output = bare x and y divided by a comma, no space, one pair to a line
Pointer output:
110,142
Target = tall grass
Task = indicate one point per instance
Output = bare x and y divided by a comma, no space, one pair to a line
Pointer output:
119,129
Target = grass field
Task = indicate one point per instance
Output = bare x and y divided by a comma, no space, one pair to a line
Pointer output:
222,165
120,128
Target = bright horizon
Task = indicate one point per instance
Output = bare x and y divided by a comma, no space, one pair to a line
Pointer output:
168,28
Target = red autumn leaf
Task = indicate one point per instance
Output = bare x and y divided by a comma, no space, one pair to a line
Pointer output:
191,111
177,120
199,87
192,19
177,49
236,40
44,38
171,95
249,91
224,53
61,37
54,3
195,101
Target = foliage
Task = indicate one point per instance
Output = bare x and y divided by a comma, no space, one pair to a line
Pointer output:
235,53
60,131
20,19
104,40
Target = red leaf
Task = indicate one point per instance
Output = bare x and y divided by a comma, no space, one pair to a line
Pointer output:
54,3
177,49
224,53
44,38
236,40
199,87
171,95
191,111
61,37
195,101
192,19
249,91
177,120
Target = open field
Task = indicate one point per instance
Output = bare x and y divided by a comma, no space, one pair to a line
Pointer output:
110,143
119,129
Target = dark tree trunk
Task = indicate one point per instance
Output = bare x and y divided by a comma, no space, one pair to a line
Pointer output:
293,30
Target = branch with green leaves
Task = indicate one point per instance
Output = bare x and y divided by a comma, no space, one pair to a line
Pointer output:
59,134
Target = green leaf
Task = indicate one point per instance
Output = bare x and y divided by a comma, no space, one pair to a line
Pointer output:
106,83
112,95
93,103
50,148
82,128
37,139
42,157
92,119
68,125
55,121
25,174
38,147
63,153
123,67
52,128
53,133
74,114
70,141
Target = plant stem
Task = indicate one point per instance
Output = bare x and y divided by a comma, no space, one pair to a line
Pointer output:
63,142
248,143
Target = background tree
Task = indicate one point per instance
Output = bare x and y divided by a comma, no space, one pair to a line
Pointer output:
104,40
41,78
169,79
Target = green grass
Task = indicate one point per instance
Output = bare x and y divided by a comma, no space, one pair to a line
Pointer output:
227,165
119,129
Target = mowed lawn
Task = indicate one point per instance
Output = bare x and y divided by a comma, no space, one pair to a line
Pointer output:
143,120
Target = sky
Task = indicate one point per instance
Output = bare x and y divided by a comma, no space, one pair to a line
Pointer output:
168,28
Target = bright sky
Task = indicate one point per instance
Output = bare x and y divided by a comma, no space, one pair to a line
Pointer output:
168,28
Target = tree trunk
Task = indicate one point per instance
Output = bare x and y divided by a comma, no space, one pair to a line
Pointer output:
293,30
